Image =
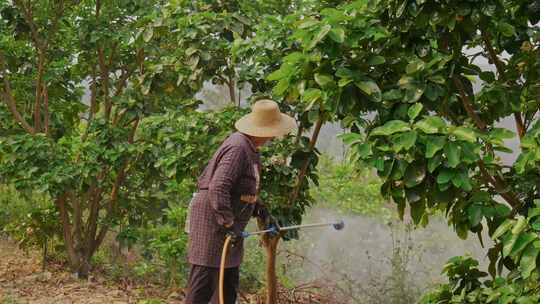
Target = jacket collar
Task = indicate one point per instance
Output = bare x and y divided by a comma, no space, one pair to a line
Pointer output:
250,143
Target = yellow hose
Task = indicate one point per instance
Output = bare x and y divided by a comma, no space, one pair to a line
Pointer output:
222,269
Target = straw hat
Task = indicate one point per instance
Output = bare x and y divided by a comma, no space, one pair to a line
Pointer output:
265,120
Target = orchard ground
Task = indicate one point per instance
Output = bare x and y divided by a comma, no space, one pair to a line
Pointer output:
349,264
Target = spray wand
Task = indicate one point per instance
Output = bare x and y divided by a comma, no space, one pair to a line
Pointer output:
339,225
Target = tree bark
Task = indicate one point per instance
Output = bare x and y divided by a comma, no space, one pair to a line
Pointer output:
271,245
72,254
39,92
7,96
305,165
232,94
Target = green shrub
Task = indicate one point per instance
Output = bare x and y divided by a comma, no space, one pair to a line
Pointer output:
467,284
30,219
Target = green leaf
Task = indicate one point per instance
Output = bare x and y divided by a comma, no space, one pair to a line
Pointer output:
462,181
474,213
522,242
311,95
313,116
323,80
344,81
414,66
414,93
507,29
376,60
434,162
462,231
438,79
148,33
319,36
501,133
405,141
281,87
392,95
370,88
520,225
418,210
337,34
391,127
351,138
307,23
536,225
414,175
465,134
434,144
445,176
284,71
364,150
523,160
431,124
508,243
503,228
534,212
414,110
452,152
528,260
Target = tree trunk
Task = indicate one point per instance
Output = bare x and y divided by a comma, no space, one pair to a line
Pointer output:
84,267
231,84
44,265
271,277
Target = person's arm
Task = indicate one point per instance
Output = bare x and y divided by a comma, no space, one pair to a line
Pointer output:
226,174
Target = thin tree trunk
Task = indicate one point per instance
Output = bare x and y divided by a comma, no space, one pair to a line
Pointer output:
39,92
44,264
305,165
72,255
271,245
232,93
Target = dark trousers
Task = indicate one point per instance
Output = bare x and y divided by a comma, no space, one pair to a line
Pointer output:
203,285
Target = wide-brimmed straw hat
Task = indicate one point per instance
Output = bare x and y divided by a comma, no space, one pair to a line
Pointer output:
265,120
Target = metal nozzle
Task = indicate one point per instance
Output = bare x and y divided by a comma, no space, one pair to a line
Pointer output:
339,225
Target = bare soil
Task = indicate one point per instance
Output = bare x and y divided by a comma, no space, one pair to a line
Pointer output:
23,281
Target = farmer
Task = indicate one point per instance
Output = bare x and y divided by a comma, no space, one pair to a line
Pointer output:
227,199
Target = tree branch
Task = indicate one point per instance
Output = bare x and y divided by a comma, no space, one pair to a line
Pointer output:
7,95
104,73
467,104
119,181
93,104
94,207
520,127
28,17
492,54
498,183
39,91
46,109
499,186
305,165
66,229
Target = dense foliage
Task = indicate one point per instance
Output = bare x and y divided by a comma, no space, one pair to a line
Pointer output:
434,139
98,113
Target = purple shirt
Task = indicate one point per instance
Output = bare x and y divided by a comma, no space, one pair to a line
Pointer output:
228,189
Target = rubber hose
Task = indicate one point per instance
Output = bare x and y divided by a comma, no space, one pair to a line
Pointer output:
222,269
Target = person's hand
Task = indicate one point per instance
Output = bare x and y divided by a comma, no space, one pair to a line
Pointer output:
234,233
274,229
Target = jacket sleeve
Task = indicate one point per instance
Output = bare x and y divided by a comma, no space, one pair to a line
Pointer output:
228,169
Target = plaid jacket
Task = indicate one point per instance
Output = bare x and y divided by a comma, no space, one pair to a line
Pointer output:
228,189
